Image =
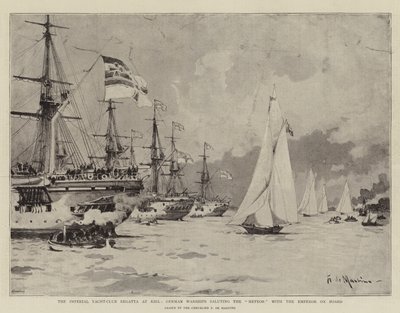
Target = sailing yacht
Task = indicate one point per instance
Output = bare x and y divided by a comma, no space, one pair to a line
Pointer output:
344,206
323,201
270,201
308,205
370,220
170,204
60,179
204,206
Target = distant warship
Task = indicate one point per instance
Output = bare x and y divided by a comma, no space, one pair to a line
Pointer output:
170,203
205,205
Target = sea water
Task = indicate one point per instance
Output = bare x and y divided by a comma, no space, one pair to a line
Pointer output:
207,257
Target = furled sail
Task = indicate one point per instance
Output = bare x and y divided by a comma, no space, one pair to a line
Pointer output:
344,205
308,204
270,198
323,201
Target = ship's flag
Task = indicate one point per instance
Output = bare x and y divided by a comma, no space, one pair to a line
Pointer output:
225,174
178,126
184,157
121,83
159,105
289,129
208,146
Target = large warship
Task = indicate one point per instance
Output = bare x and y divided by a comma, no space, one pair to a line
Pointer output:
59,179
170,201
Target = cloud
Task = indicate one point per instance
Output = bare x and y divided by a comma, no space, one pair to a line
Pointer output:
381,187
317,152
215,61
337,168
326,65
296,67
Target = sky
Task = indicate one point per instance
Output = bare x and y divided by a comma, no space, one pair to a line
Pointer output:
215,73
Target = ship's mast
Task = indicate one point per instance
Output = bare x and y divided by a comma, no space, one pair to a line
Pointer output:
156,153
113,147
174,168
132,162
205,176
45,149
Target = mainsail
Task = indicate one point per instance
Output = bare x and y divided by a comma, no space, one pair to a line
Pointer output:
344,205
323,202
308,204
270,199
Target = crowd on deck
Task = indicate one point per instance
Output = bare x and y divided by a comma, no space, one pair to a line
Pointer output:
24,169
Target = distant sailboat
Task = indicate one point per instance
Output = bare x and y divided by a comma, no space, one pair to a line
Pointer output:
344,206
308,205
270,201
323,202
370,220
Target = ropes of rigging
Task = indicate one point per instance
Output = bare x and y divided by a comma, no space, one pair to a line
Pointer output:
20,129
22,53
22,104
89,139
61,75
21,153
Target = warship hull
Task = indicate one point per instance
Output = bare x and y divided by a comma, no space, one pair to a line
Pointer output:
219,211
32,215
171,208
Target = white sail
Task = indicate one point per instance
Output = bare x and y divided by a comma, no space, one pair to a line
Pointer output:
323,202
282,193
344,205
255,198
270,198
308,204
370,218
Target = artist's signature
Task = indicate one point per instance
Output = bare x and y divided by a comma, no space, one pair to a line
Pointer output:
349,281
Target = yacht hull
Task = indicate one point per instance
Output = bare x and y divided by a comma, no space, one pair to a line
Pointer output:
370,224
254,230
